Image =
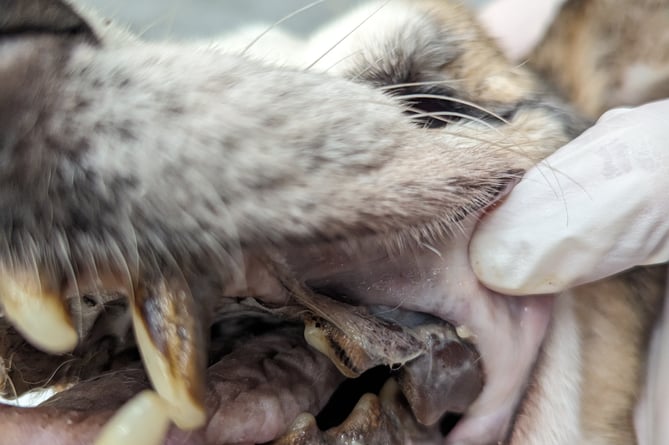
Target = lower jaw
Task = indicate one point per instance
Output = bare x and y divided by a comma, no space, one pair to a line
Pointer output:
270,387
259,392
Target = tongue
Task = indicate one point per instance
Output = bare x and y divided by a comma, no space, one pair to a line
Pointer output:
258,390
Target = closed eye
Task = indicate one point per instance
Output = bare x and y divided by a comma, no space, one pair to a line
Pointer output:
436,107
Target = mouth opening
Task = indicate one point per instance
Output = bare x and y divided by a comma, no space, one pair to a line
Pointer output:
374,361
265,351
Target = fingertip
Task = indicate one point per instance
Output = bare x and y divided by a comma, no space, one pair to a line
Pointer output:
508,265
504,280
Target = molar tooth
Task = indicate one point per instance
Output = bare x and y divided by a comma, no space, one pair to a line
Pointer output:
303,431
367,423
41,316
141,421
173,347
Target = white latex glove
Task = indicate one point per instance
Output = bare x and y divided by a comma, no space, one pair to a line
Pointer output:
518,25
596,207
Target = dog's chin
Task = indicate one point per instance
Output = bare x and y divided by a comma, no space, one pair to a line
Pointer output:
266,383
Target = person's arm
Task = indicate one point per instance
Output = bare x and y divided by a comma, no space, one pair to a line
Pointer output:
596,207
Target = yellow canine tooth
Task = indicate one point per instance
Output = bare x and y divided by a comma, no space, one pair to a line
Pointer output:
173,351
143,420
41,317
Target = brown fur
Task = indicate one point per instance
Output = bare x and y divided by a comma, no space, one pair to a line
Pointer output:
592,43
585,54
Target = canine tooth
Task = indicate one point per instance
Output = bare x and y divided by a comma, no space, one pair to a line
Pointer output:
41,317
143,420
173,349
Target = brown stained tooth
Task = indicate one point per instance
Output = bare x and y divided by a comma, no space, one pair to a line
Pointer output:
383,341
381,419
349,358
367,423
362,342
350,336
446,379
385,419
303,431
171,338
38,313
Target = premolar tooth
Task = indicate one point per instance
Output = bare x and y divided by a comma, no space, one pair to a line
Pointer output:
41,316
303,431
141,421
464,332
322,336
367,423
364,343
171,340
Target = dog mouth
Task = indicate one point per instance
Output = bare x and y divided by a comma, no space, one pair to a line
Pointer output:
368,346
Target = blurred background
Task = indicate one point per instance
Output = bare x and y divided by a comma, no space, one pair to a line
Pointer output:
161,19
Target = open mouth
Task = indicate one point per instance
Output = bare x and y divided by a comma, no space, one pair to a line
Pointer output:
380,345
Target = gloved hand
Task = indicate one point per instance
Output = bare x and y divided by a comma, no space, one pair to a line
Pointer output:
596,207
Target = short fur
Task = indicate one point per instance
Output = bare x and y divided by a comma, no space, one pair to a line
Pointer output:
91,186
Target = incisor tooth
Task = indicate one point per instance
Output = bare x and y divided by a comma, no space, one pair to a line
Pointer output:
141,421
41,317
174,352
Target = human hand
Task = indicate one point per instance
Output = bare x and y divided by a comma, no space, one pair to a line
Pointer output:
596,207
518,25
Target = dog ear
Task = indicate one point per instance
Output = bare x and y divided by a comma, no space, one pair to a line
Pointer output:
42,16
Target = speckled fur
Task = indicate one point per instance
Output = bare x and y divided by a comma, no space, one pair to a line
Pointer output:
134,156
85,166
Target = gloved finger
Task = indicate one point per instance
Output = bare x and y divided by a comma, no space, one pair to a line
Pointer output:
518,25
594,208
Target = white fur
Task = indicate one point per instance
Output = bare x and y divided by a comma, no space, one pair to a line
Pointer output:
551,415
